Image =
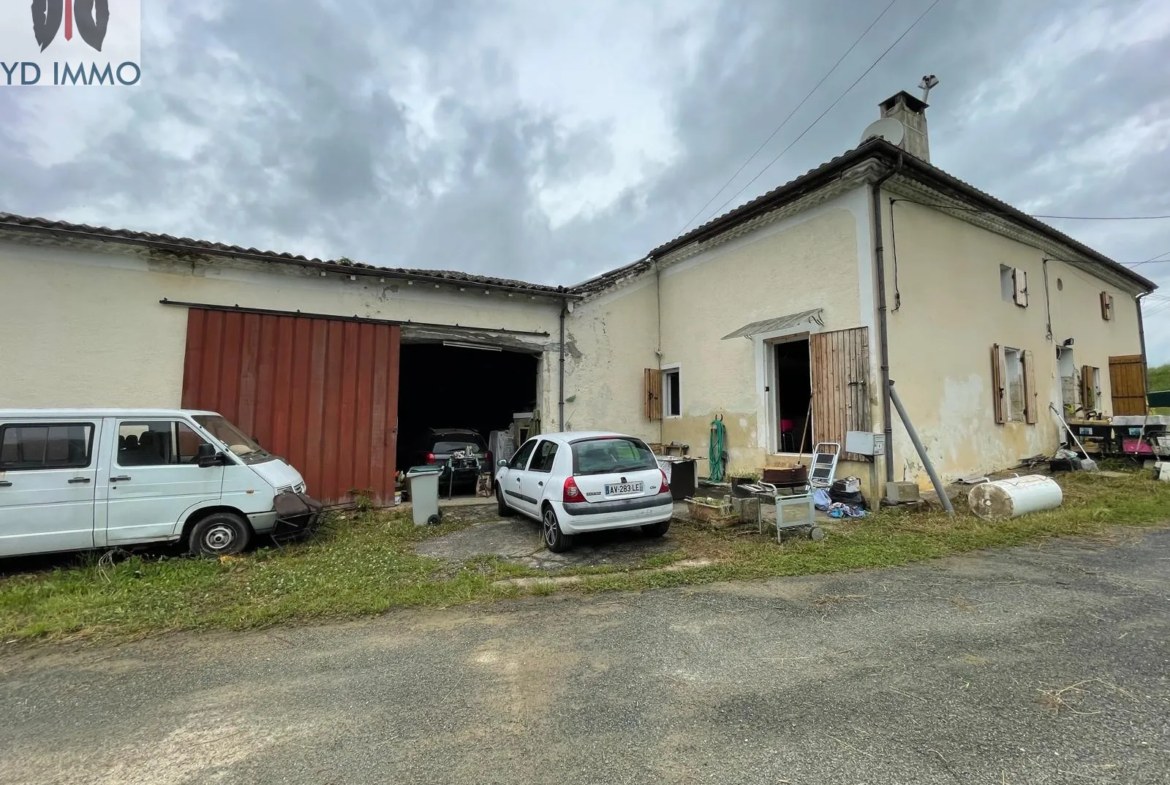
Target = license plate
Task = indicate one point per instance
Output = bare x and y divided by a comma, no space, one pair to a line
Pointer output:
621,489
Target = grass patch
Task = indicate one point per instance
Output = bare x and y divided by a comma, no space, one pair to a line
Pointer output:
365,565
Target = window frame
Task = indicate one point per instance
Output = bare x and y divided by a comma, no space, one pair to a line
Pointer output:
1001,385
1013,285
669,403
1009,411
173,422
552,457
638,444
512,461
88,445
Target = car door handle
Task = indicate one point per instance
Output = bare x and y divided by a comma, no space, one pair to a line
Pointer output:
121,478
76,480
540,484
5,484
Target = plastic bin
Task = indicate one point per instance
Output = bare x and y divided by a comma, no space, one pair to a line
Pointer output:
424,495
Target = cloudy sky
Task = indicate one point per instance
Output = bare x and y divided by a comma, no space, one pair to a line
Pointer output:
553,140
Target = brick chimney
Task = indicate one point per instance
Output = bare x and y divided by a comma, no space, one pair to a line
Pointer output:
911,113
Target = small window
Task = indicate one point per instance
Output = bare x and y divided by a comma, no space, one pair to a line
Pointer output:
520,459
1013,375
672,393
169,443
33,447
1014,365
1013,285
545,455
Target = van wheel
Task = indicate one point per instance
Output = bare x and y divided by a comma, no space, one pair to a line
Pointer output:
504,510
554,539
220,534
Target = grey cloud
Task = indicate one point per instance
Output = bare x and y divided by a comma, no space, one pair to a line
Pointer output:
311,146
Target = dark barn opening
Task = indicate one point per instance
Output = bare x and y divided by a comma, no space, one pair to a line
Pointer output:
445,386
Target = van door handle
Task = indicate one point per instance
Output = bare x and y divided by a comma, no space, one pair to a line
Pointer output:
76,480
122,478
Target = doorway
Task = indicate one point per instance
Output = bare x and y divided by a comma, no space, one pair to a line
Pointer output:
454,386
793,396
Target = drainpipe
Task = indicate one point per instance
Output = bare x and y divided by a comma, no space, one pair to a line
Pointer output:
658,350
1142,337
883,334
561,402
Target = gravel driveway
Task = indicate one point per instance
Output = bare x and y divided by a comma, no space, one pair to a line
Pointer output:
1035,665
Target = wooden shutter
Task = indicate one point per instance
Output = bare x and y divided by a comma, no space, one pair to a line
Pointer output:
1127,384
652,402
840,385
1020,280
1087,389
997,383
1106,306
1031,394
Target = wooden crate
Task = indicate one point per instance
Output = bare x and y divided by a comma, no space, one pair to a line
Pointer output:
714,514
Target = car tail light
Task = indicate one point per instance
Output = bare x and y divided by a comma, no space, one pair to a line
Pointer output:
488,458
665,487
430,457
572,493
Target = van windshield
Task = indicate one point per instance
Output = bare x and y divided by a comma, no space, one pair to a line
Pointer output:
230,435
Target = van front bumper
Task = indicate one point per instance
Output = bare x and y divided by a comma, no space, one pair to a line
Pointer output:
297,515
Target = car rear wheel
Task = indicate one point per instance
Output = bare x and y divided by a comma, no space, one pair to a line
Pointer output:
554,539
656,529
219,534
504,510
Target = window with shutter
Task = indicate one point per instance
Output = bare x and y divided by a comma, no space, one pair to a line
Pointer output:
1020,279
997,385
1090,388
652,394
1107,306
1031,393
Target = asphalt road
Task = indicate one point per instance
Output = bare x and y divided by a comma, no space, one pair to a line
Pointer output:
1044,665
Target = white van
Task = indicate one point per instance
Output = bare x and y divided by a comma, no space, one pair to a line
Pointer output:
72,480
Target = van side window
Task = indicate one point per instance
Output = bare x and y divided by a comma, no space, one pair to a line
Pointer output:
166,443
32,447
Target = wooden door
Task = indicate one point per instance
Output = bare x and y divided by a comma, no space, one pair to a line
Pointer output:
1127,383
840,385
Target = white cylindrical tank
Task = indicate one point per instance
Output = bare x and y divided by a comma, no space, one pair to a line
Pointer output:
1003,499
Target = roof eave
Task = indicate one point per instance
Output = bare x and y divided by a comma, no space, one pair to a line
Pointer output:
938,177
399,274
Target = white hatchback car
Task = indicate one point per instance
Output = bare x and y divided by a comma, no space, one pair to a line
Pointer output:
585,482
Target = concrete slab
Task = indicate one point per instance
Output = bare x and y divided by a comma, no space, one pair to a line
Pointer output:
518,540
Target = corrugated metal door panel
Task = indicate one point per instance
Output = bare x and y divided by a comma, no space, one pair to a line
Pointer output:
322,393
1127,384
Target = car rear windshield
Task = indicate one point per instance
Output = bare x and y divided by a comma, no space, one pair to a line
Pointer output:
473,444
611,455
